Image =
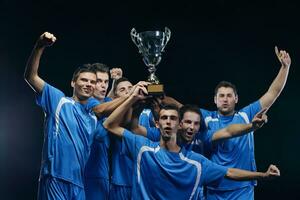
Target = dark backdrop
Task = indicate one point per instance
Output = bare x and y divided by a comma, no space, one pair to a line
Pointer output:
211,41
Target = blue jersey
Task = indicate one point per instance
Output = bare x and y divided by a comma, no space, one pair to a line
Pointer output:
235,152
98,164
160,174
121,164
68,135
146,118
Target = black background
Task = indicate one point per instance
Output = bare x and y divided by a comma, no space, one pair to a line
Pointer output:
211,41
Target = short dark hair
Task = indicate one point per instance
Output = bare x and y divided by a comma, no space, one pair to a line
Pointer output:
99,67
117,82
169,107
81,69
225,84
189,108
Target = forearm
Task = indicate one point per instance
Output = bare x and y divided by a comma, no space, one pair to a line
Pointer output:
231,131
31,70
135,127
111,91
115,119
275,88
244,175
236,130
107,108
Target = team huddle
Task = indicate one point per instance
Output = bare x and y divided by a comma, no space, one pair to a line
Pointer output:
126,144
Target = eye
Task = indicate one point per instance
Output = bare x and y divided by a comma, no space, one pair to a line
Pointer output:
173,118
163,117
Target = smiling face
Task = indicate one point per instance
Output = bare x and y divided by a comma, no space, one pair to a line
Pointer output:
225,100
84,86
190,125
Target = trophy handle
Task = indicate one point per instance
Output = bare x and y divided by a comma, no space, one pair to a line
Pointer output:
167,37
135,38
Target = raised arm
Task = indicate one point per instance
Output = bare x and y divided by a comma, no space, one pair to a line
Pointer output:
105,109
115,74
235,130
115,119
244,175
278,84
135,126
31,71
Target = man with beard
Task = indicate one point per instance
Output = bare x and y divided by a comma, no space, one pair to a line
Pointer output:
165,170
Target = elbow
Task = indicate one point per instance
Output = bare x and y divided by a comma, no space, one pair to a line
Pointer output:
233,174
30,78
230,174
108,125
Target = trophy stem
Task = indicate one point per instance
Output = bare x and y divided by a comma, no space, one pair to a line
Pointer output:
153,78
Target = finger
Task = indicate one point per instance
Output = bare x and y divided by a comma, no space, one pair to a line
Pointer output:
144,90
276,51
261,113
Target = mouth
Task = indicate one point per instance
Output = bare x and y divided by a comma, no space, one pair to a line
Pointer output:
167,130
103,92
189,135
86,90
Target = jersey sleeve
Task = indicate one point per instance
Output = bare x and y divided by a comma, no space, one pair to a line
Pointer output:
100,132
212,173
91,103
251,109
153,134
49,98
131,143
145,117
204,114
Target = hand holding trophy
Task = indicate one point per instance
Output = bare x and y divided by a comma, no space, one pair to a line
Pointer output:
151,44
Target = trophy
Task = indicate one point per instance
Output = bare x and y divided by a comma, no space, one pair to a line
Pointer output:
151,44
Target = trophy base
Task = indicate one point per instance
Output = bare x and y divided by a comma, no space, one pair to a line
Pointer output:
155,89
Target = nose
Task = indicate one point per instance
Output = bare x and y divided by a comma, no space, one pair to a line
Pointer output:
126,91
89,84
102,85
168,120
192,126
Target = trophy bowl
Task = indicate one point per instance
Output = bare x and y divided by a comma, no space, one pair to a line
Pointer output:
151,44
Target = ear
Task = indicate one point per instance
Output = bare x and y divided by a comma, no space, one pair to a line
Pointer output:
156,124
72,84
236,98
180,124
215,99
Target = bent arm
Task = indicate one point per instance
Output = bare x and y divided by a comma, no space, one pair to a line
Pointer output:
279,82
231,131
236,130
244,175
113,122
31,71
105,109
135,126
115,119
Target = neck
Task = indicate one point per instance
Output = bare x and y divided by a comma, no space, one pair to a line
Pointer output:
83,101
170,145
226,114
